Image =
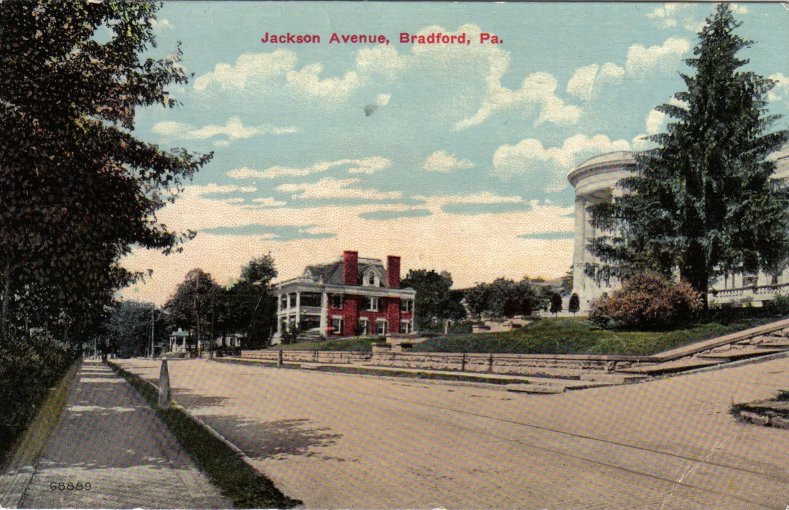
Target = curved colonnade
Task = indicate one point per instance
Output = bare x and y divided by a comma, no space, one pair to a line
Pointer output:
595,180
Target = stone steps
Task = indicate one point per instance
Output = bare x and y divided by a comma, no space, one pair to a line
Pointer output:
743,353
671,367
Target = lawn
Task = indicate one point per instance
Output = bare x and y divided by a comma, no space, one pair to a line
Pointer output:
579,336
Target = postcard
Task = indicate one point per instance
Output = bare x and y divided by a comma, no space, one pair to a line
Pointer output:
385,255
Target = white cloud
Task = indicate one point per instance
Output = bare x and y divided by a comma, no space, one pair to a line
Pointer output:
201,190
655,121
162,24
739,9
671,15
368,165
249,68
529,156
268,202
537,92
484,197
642,61
587,82
307,81
781,90
233,129
279,69
422,241
329,188
443,162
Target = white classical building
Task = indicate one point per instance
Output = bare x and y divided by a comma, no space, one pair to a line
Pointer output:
595,180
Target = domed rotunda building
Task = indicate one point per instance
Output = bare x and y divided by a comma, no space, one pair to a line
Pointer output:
595,181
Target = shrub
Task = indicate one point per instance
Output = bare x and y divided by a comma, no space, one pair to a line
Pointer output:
779,305
575,304
28,367
648,301
556,303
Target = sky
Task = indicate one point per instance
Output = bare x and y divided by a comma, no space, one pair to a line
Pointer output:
452,156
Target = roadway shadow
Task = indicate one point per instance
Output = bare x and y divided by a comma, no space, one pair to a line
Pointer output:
274,439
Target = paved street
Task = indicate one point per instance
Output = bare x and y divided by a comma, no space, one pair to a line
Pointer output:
342,441
112,443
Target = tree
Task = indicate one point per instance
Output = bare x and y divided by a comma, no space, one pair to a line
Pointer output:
575,304
703,202
556,303
501,298
193,306
129,328
433,296
250,304
477,299
77,190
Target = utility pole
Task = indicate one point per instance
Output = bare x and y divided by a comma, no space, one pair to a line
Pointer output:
153,325
197,312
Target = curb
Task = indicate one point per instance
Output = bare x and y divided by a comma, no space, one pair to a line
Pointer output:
258,477
203,424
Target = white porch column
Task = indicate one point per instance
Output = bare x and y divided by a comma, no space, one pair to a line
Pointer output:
324,326
579,247
298,307
413,315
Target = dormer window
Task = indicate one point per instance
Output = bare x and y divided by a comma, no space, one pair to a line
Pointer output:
371,279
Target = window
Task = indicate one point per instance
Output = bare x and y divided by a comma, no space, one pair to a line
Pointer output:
380,327
336,301
364,326
405,327
336,324
372,304
283,301
371,279
406,305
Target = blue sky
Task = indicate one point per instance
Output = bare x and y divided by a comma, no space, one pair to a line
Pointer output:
454,157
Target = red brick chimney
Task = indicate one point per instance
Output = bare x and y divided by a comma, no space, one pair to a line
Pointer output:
350,267
393,272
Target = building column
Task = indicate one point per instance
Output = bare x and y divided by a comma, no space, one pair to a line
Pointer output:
413,315
579,247
324,326
298,307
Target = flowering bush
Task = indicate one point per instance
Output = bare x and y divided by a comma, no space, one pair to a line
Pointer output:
647,300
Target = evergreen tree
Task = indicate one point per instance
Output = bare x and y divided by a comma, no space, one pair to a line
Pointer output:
702,203
575,304
556,303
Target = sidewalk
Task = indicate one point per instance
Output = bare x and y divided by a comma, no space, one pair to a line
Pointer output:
111,445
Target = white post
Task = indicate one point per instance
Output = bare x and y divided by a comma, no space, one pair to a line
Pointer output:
164,385
324,326
298,307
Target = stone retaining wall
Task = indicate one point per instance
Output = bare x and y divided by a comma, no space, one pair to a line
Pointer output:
469,362
312,356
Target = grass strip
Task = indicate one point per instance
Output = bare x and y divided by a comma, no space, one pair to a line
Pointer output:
239,481
32,442
417,375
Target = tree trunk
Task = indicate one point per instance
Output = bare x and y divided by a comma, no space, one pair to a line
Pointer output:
695,271
6,299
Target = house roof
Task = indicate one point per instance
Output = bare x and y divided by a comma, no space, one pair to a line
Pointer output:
332,272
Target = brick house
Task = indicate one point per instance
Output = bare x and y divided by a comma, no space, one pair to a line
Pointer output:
347,296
